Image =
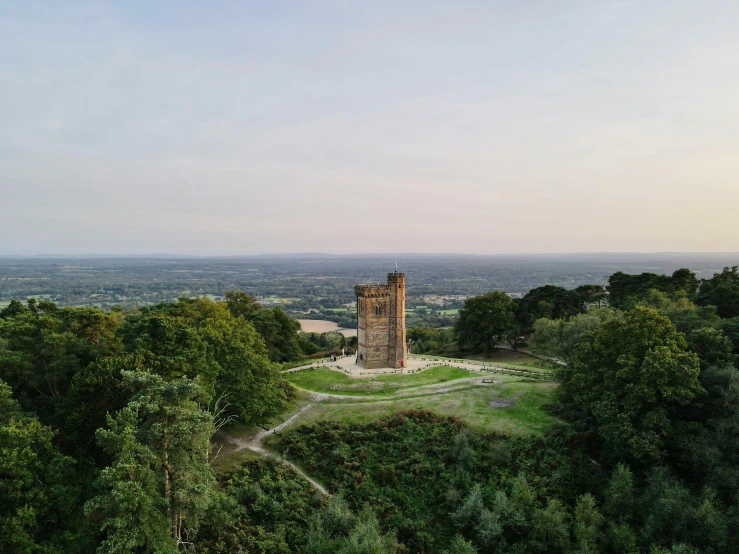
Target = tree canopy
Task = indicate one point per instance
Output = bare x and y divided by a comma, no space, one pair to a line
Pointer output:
484,320
629,376
722,291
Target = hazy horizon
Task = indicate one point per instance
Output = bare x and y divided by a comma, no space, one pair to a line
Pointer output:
227,128
380,255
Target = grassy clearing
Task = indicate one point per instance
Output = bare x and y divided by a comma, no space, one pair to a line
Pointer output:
326,380
473,405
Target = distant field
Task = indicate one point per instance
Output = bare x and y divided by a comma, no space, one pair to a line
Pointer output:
450,311
326,380
323,326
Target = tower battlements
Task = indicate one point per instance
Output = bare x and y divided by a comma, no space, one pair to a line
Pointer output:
371,290
381,323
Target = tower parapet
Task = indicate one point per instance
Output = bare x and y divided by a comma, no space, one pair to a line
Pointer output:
381,323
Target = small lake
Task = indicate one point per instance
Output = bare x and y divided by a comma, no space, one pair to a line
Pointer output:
322,326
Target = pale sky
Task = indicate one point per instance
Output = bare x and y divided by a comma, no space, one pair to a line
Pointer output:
244,127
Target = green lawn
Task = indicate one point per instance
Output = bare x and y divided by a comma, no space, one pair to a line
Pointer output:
326,380
475,405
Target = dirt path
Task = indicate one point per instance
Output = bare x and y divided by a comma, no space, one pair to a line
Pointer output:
256,444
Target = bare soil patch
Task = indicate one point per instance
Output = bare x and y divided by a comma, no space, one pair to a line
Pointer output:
501,403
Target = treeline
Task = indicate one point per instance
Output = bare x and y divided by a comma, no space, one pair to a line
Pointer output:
492,318
106,418
486,320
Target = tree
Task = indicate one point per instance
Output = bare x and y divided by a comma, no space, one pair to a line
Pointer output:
588,521
335,529
685,280
625,291
131,505
201,339
280,334
722,291
550,302
483,320
38,498
13,309
251,383
278,330
46,346
461,546
590,295
160,477
170,345
630,376
95,392
712,346
241,304
558,338
730,327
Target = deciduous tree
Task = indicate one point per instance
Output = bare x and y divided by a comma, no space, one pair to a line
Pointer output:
484,320
629,375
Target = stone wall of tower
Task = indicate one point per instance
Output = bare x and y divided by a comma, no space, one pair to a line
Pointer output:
396,323
381,323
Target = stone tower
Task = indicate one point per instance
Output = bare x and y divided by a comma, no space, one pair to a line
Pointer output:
381,323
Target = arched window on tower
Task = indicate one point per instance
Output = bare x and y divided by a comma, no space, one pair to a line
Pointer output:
378,309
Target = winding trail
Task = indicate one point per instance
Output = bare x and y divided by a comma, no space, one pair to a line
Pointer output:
256,444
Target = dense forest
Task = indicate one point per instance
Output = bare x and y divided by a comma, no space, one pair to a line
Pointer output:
108,419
